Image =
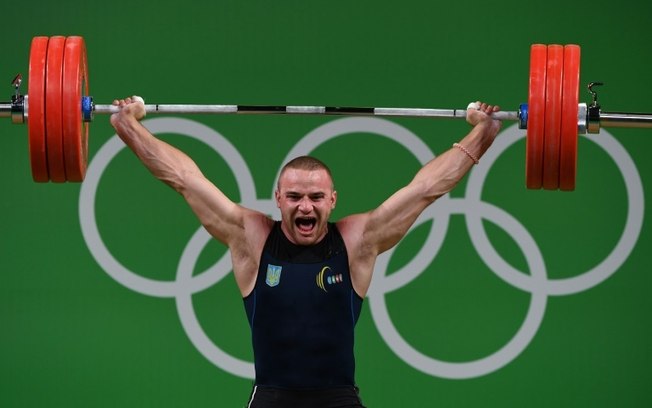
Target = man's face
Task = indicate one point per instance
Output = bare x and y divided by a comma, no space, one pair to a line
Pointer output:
306,199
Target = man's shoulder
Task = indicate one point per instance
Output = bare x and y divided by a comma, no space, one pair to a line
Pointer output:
252,229
352,223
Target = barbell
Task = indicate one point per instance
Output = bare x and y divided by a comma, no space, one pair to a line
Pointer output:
58,110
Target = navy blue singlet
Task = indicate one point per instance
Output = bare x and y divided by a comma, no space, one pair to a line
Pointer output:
302,313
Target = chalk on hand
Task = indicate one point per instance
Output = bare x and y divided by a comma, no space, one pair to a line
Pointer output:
473,105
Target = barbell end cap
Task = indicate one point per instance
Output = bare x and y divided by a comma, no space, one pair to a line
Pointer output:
87,108
522,116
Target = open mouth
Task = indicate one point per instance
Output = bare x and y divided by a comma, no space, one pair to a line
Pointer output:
305,224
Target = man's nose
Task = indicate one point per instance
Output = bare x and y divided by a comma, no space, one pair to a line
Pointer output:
305,205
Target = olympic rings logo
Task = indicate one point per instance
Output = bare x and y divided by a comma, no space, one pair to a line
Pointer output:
471,206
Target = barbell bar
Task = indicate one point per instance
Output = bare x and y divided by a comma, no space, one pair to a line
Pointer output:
58,110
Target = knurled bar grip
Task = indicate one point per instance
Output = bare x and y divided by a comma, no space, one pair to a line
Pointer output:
306,110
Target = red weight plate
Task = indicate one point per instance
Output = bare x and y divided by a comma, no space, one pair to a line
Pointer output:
552,118
536,111
569,112
36,109
75,132
54,129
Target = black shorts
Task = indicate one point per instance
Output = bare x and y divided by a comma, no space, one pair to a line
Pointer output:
270,397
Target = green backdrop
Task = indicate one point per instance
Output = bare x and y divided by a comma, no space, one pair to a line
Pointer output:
111,296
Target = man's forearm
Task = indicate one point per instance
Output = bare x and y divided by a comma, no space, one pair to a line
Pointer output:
164,161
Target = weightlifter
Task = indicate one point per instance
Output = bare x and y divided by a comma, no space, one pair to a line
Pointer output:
290,271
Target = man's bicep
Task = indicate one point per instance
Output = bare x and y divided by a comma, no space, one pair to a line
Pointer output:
221,217
389,223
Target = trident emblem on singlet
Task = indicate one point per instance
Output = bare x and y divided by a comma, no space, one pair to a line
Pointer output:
273,275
